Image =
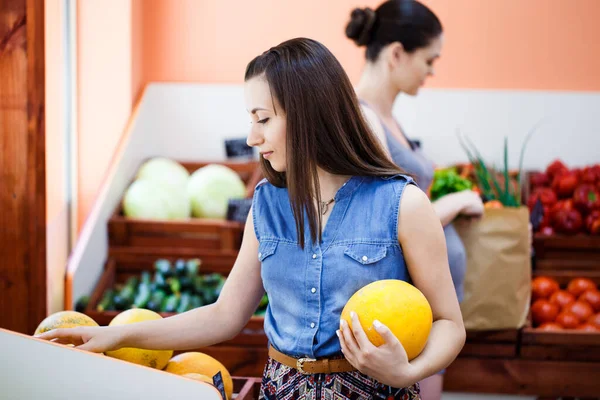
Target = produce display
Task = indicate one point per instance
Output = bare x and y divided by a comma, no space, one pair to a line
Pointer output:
163,189
398,305
567,200
174,287
192,365
574,306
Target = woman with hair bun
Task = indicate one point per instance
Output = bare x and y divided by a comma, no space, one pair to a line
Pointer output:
403,39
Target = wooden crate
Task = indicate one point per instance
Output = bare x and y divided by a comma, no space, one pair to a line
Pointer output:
556,252
491,344
118,269
245,388
560,252
567,345
550,379
193,233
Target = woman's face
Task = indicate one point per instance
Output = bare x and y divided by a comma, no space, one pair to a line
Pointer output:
268,121
412,69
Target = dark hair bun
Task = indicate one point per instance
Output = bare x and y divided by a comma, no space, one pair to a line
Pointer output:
359,27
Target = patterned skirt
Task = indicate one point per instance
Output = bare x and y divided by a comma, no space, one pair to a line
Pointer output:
281,382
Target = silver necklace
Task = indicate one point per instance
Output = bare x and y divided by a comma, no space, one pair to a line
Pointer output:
325,206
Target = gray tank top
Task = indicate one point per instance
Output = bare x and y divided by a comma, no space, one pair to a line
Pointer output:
413,161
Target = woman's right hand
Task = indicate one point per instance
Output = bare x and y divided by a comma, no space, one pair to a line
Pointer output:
97,339
472,205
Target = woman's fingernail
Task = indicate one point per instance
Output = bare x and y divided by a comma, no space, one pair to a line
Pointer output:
377,324
352,314
342,324
337,333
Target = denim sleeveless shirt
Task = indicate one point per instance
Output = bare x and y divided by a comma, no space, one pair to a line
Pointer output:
308,288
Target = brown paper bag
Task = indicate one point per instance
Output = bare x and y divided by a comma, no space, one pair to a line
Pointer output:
498,277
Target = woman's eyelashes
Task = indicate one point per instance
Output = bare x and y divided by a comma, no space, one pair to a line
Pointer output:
263,121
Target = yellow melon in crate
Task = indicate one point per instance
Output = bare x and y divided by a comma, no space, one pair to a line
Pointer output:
199,363
64,319
396,304
150,358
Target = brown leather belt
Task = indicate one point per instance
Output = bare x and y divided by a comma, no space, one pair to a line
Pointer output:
308,366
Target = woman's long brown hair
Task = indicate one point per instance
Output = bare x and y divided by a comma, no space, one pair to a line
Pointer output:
325,125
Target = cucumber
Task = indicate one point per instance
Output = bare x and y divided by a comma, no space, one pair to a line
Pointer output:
180,268
160,282
146,278
174,285
193,267
143,297
106,303
171,303
163,266
156,299
185,303
196,301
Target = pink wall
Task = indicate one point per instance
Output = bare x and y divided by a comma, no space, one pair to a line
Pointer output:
533,44
104,90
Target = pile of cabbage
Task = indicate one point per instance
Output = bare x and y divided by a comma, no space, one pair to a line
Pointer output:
164,189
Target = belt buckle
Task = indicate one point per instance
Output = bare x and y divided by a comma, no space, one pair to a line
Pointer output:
300,364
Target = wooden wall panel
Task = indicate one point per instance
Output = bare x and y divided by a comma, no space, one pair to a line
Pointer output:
22,165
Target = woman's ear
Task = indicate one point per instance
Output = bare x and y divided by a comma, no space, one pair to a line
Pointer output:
395,53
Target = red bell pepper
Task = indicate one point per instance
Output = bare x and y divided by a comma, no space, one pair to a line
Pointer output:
592,222
546,196
556,168
586,198
564,185
538,179
565,218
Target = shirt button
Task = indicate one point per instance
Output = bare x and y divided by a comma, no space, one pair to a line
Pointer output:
365,258
312,324
313,290
314,256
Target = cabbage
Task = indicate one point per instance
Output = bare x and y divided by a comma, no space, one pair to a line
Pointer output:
164,170
210,189
149,199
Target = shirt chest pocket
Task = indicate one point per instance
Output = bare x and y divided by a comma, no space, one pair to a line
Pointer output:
366,254
266,249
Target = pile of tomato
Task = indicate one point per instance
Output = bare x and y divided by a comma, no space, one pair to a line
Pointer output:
576,306
570,199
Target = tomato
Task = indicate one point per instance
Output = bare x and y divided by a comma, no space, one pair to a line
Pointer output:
543,287
567,320
594,320
587,327
544,311
581,309
550,326
579,285
562,298
592,297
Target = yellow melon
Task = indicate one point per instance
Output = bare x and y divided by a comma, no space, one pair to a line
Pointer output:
199,377
64,319
398,305
149,358
200,363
